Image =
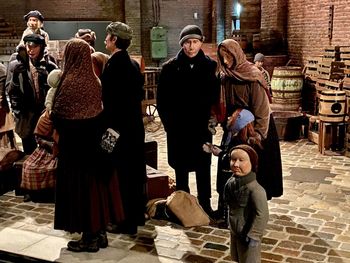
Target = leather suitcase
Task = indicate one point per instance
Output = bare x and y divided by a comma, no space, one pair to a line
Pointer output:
157,184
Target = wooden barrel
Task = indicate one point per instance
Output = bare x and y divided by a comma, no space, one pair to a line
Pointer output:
256,43
332,106
287,82
286,86
347,93
288,124
242,40
285,104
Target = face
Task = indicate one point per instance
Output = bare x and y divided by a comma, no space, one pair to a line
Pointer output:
192,46
240,162
227,58
259,63
110,42
33,51
33,23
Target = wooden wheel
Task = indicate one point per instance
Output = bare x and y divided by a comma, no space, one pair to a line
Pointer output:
151,118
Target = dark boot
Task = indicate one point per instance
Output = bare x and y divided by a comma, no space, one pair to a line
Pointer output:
205,204
102,239
88,243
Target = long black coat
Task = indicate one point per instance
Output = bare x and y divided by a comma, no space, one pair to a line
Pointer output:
122,91
187,89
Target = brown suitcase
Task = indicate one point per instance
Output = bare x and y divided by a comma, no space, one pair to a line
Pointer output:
157,184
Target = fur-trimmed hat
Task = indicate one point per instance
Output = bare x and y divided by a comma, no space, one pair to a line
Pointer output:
34,39
253,156
190,31
120,30
34,13
259,57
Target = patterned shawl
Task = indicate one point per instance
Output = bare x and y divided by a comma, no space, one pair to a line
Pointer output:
242,69
79,95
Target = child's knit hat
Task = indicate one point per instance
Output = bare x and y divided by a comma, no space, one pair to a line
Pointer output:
253,156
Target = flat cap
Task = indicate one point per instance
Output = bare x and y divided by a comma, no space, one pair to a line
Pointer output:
120,30
34,39
34,13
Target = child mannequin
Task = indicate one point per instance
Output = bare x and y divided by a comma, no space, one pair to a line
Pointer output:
35,23
248,208
240,129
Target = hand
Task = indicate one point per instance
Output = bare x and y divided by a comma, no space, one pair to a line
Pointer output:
216,150
256,140
207,147
212,124
251,242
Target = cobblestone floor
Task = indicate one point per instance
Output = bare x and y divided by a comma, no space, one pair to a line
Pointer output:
309,223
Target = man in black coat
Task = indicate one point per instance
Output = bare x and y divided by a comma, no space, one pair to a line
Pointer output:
187,90
122,93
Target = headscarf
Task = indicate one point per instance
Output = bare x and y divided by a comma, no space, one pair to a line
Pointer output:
79,95
243,69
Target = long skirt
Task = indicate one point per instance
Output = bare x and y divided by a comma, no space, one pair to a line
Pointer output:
87,195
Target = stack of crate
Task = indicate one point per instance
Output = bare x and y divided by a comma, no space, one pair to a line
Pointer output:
344,53
346,88
330,74
311,66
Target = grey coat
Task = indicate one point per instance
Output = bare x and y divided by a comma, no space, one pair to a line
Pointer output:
248,216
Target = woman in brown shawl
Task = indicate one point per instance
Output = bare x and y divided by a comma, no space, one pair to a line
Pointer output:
243,86
84,191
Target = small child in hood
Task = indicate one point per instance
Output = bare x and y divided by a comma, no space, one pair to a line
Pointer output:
248,208
53,79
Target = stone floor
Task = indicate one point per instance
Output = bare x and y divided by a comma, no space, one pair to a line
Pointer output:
309,223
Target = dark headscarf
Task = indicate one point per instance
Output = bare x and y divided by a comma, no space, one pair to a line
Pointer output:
80,94
242,69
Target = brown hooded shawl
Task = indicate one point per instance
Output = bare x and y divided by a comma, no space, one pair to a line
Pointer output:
242,69
80,94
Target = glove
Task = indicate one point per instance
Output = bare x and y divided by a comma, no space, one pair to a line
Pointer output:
251,242
212,124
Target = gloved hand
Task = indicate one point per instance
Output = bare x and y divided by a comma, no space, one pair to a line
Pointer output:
212,124
251,242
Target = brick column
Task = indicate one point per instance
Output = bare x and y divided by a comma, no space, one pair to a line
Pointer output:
133,19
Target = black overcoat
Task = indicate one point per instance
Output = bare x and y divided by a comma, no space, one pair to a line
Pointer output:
186,92
122,93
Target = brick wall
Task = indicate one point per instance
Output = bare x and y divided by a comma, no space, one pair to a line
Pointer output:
301,26
104,10
306,24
